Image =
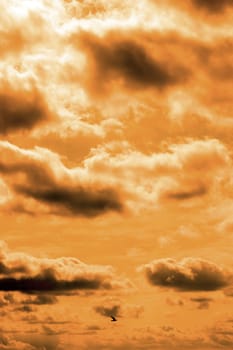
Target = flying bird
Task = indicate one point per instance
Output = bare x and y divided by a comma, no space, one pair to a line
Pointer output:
113,319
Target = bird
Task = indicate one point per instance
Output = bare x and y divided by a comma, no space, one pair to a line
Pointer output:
113,319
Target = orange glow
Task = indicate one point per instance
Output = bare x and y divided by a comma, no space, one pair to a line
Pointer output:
116,167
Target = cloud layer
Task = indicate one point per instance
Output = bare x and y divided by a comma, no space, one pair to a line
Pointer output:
109,181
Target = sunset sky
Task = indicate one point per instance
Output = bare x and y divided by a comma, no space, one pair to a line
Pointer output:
116,185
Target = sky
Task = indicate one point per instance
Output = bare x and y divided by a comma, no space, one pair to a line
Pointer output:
116,162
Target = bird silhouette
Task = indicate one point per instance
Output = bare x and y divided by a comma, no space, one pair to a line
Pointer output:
113,319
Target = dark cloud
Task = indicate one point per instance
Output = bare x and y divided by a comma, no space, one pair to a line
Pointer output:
194,8
117,309
182,195
76,201
57,276
21,109
111,310
48,181
49,284
117,57
212,6
191,274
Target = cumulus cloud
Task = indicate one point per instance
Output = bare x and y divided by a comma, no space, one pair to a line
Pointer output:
190,274
28,274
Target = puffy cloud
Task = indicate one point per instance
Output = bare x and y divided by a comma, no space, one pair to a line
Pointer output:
190,274
183,172
28,274
117,308
26,27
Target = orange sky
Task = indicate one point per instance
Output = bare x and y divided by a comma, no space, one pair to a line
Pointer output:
116,188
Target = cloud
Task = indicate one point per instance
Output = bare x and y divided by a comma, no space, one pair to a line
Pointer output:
182,172
21,109
197,192
116,308
108,311
91,9
190,274
28,274
7,343
117,58
25,29
212,6
78,201
229,291
34,319
175,302
6,299
25,308
41,299
62,191
222,335
203,303
108,181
